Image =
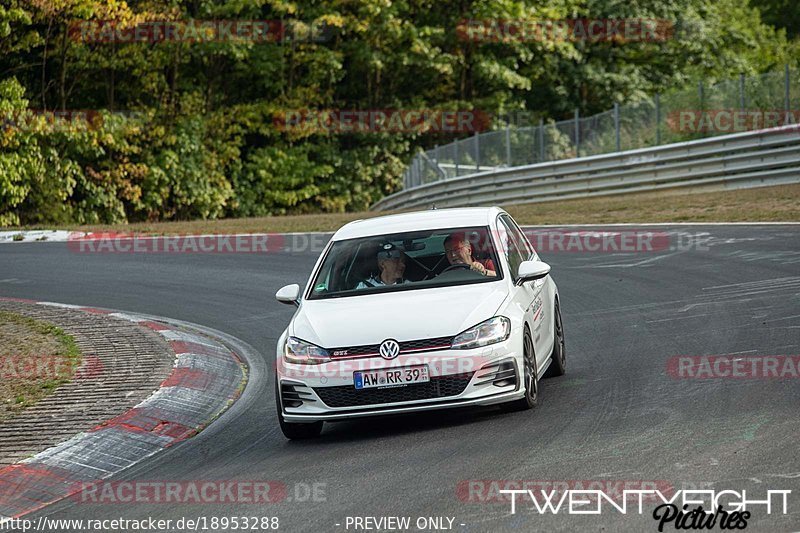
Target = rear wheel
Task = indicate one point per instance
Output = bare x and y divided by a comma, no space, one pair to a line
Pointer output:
530,378
293,430
558,366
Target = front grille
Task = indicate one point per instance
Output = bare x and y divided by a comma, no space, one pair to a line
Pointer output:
437,343
371,349
440,343
440,387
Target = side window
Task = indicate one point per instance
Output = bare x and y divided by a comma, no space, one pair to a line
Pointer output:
525,244
518,236
509,247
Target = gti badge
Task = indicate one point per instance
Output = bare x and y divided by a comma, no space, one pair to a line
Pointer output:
389,349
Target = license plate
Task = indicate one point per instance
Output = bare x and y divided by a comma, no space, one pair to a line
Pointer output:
391,377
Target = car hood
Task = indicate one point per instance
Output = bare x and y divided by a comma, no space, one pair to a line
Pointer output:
404,315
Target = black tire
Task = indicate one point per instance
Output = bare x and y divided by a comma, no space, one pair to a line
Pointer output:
558,366
530,378
292,430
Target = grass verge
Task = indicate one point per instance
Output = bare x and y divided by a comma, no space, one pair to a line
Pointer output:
35,358
765,204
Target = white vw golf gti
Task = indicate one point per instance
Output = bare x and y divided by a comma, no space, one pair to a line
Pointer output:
418,311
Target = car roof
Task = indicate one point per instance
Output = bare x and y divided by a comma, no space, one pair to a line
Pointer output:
418,220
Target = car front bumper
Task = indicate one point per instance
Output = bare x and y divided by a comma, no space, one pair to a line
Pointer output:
458,378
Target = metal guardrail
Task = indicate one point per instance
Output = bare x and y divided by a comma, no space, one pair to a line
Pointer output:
770,100
741,160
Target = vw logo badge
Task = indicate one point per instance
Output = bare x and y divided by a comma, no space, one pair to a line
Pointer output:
389,349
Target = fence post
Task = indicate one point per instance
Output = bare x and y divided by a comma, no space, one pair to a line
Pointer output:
577,132
436,153
658,119
616,124
786,102
508,145
455,149
742,100
541,140
477,152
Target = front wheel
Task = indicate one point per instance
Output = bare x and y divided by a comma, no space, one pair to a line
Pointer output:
292,430
530,378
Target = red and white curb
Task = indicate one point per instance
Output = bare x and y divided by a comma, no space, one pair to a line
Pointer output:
34,236
206,379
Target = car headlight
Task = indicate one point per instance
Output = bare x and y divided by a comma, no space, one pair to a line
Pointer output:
304,353
494,330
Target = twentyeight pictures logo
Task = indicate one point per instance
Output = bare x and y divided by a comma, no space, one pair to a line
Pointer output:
684,509
677,508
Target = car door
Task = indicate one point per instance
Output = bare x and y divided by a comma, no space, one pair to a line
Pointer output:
532,294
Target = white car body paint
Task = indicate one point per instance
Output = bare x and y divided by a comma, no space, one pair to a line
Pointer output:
410,315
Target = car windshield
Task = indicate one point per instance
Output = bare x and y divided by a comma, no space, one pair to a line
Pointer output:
407,261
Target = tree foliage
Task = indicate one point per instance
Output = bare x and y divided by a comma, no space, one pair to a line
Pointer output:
187,129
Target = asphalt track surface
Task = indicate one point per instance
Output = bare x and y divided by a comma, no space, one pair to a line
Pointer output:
616,415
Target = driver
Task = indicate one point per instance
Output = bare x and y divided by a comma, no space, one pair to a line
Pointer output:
458,250
391,264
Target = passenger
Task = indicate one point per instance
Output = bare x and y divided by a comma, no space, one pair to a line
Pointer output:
392,265
459,252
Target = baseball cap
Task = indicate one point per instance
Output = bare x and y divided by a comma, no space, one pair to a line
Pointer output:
389,251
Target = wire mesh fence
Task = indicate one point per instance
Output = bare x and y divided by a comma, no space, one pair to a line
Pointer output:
741,104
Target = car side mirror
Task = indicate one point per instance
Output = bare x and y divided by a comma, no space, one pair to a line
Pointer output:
532,270
289,294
